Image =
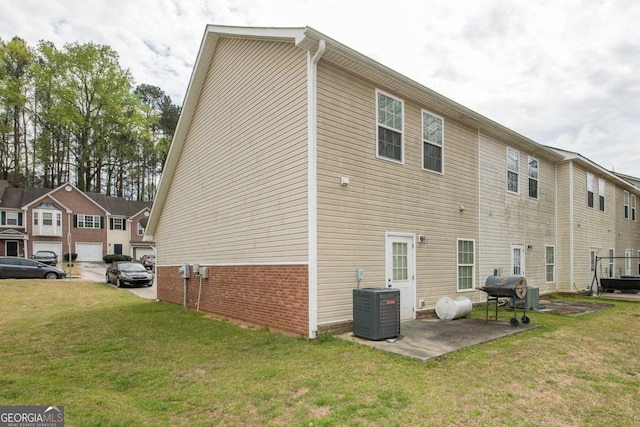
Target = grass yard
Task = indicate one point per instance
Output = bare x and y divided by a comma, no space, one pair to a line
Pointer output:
113,359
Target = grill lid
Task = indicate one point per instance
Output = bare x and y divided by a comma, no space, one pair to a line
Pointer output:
506,286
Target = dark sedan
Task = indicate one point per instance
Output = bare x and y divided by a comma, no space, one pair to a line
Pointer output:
128,273
21,268
46,257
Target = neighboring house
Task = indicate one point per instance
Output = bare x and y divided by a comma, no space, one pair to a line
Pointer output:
66,219
597,219
299,161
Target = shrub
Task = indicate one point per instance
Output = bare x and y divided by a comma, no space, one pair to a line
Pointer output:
111,258
65,256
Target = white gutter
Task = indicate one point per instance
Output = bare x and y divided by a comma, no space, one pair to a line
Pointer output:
312,182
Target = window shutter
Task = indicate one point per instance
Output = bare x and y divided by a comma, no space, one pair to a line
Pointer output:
101,222
20,219
75,221
3,219
124,224
110,223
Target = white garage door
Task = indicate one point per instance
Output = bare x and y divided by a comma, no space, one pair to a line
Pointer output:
89,251
140,252
48,246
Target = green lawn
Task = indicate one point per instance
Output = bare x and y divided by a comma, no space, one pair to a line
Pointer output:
113,359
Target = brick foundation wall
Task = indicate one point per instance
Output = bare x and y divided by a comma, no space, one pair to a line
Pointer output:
276,296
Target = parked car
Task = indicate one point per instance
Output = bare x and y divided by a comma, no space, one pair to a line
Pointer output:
149,261
128,273
22,268
46,257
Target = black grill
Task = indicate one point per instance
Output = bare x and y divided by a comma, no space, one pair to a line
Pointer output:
514,287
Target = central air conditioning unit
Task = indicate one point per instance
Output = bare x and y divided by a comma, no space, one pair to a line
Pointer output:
376,313
531,300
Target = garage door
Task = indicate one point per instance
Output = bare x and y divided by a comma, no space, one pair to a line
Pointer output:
48,246
89,251
140,252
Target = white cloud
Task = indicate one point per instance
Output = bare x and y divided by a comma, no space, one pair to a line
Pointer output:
557,72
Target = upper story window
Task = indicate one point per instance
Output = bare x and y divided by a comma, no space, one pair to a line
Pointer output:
626,205
602,189
47,220
11,218
513,161
117,224
432,142
390,127
533,178
633,207
88,221
590,189
140,230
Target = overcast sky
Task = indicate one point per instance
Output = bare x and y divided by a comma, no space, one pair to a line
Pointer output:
564,73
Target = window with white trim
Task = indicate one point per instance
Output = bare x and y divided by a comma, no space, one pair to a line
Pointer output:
633,207
88,221
12,218
432,142
47,222
533,178
140,230
390,120
590,189
47,218
466,264
513,161
602,189
550,264
117,223
626,205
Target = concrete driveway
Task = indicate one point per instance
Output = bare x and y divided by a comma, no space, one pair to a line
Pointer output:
95,272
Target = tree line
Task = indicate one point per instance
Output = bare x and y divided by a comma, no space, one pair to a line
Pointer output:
74,115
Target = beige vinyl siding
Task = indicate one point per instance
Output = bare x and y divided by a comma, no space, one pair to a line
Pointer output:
591,228
384,196
626,229
239,192
507,218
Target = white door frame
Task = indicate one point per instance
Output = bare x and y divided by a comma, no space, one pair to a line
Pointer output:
407,287
520,247
628,254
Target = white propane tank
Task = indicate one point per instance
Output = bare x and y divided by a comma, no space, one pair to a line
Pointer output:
449,308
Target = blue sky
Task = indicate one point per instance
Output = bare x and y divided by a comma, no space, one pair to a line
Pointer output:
563,73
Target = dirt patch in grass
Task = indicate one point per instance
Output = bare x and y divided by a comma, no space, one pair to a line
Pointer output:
572,308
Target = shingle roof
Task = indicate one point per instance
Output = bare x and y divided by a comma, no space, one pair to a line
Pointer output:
119,205
16,198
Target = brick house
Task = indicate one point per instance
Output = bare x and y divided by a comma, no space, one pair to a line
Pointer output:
66,219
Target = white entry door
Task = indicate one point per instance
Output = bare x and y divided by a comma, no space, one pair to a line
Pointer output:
400,267
517,260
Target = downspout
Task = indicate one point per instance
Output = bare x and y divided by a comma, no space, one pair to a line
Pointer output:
571,231
312,183
555,233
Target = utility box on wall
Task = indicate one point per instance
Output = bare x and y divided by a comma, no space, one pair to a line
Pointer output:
376,313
